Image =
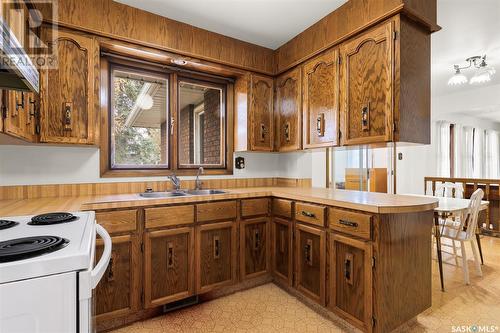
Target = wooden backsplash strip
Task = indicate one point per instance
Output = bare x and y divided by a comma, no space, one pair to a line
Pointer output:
74,190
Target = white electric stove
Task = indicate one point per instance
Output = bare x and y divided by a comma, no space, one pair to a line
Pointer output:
47,272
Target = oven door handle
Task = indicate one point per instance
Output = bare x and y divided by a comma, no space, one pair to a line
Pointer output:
98,271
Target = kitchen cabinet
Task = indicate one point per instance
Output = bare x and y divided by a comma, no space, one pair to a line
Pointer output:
288,109
282,259
254,113
385,85
118,292
321,100
310,262
350,281
69,91
216,255
168,265
254,247
19,114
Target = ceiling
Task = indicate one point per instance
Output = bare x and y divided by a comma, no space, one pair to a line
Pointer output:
269,23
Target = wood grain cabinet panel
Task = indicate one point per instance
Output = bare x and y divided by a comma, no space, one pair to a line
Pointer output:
310,262
261,113
69,92
212,211
311,214
349,222
254,207
254,247
321,100
168,266
282,259
350,280
19,114
118,292
367,86
216,255
288,109
168,216
118,221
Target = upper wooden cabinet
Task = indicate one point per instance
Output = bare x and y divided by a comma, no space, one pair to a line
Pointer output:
385,85
19,114
288,109
254,113
320,105
69,92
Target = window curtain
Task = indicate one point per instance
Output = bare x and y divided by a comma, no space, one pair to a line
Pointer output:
464,151
479,154
492,154
443,148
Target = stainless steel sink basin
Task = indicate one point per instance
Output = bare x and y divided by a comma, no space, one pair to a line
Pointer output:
204,192
162,194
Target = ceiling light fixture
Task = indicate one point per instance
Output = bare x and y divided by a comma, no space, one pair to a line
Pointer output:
483,73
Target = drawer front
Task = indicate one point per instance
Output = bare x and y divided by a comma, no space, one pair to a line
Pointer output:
282,208
224,210
254,207
352,223
118,221
312,214
169,216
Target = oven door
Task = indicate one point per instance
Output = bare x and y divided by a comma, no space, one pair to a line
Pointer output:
88,280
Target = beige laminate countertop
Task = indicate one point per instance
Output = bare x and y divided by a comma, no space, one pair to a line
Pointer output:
364,201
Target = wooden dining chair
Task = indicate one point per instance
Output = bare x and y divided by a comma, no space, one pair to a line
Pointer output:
463,230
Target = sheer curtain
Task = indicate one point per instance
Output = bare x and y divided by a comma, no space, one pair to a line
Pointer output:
492,155
479,156
443,148
464,151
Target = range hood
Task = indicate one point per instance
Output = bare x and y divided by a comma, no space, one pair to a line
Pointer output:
17,71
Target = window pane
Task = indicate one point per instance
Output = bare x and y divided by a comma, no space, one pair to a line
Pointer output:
139,120
201,124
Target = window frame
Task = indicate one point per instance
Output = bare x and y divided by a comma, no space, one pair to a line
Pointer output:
106,62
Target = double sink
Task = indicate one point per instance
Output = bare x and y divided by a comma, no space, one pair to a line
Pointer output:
179,193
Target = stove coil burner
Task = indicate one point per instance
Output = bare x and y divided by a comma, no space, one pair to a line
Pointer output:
29,247
52,218
6,224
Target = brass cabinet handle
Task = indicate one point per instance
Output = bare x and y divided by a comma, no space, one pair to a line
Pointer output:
111,274
287,131
308,214
19,105
262,132
308,252
67,115
348,268
320,124
348,223
170,255
216,246
256,239
365,117
32,111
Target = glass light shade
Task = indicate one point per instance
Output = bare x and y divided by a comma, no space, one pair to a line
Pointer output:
482,75
145,102
457,79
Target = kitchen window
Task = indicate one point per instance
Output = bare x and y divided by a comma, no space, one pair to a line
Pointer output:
157,120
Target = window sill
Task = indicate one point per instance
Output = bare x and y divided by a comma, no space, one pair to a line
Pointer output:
159,173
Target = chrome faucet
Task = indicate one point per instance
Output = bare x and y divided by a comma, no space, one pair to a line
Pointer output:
198,182
175,181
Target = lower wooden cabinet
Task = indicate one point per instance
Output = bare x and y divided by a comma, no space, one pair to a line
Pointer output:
350,280
168,266
282,260
310,262
119,292
216,255
254,247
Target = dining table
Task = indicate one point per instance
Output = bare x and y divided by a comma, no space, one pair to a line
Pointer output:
449,207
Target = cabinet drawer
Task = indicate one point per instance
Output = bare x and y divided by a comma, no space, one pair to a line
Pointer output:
168,216
253,207
312,214
282,208
352,223
118,221
224,210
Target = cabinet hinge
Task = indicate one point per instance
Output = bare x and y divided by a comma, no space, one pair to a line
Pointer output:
340,136
373,262
37,129
374,321
394,127
4,111
394,35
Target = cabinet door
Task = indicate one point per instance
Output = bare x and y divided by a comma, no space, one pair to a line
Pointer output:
261,113
367,87
254,245
350,280
310,255
15,114
68,91
320,106
168,265
288,110
118,292
216,256
282,234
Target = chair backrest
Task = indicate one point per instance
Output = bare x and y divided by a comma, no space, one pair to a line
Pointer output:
470,217
453,190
